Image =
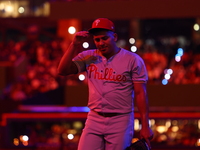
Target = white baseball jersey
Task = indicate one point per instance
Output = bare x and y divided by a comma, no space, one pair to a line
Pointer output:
111,81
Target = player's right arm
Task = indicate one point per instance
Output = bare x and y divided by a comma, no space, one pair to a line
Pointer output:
66,65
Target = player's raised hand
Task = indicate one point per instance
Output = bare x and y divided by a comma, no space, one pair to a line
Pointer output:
80,37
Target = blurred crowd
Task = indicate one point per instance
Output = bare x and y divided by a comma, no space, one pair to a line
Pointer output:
41,60
66,134
39,75
163,54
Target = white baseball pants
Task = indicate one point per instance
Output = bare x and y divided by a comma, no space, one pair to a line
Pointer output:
107,133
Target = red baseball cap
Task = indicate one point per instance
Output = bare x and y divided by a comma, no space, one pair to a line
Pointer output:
102,23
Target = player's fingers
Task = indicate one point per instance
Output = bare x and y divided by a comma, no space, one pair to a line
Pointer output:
151,137
148,143
80,37
82,34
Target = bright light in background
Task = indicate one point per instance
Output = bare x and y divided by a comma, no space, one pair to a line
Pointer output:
25,138
132,41
164,81
134,140
78,125
161,129
175,128
71,30
81,77
167,76
169,71
168,123
133,48
70,136
152,122
85,45
177,58
198,142
21,10
196,27
9,8
13,8
137,125
179,55
180,51
16,141
2,6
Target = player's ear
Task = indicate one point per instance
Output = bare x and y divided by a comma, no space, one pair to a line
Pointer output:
115,37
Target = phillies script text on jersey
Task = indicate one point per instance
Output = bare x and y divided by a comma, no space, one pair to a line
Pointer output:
107,74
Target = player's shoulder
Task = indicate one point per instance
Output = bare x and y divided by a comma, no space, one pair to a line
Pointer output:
89,52
128,53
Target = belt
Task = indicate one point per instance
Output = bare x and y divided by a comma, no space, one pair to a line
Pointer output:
108,114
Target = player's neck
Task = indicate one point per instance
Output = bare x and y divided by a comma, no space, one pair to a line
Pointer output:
114,52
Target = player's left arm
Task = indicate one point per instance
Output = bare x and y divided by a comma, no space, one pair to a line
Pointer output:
141,99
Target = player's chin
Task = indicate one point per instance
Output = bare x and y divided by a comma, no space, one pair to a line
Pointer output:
103,50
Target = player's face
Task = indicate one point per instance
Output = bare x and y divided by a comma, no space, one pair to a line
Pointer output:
105,42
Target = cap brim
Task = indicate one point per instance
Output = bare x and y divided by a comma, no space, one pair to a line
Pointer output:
93,30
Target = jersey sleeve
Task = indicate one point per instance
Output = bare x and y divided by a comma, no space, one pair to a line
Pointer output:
79,61
83,59
139,72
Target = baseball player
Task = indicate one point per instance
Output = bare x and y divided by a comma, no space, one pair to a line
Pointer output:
116,77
